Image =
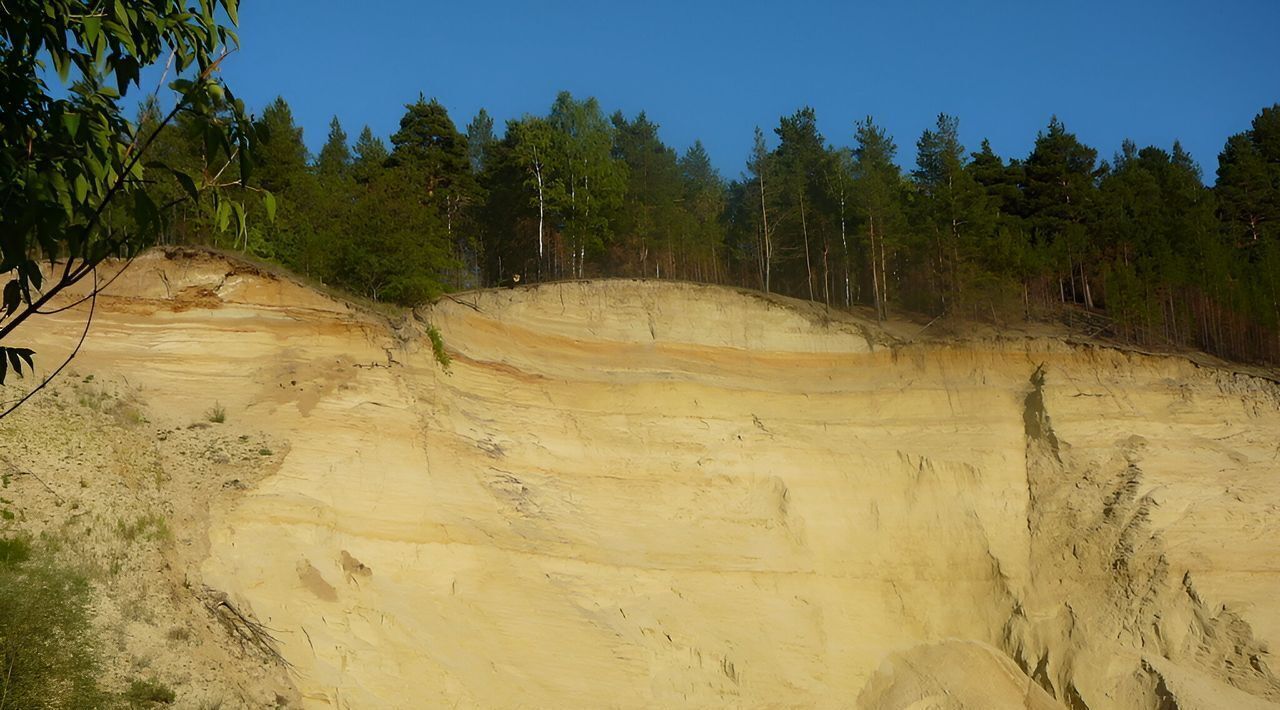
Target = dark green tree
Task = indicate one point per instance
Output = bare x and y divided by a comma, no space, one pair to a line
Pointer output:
648,221
1058,198
429,151
880,194
479,139
335,156
800,169
703,201
1249,180
282,156
952,210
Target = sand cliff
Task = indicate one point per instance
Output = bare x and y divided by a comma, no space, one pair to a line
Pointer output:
641,494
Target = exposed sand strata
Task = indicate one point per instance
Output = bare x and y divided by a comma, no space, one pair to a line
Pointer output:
638,494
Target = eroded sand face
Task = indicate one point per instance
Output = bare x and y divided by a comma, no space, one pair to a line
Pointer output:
637,494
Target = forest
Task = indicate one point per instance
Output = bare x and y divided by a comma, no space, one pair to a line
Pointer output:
1134,247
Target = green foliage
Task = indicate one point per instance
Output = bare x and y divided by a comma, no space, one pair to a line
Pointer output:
14,550
48,651
479,140
1249,180
954,218
371,155
437,348
334,162
880,193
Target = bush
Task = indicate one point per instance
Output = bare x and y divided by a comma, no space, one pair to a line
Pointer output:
437,347
146,693
216,414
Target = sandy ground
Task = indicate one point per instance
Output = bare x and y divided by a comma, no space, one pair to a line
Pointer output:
637,494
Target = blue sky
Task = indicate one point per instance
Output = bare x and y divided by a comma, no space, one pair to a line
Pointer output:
1150,71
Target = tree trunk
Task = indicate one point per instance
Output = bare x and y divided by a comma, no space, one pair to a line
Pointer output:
808,264
768,246
844,244
875,276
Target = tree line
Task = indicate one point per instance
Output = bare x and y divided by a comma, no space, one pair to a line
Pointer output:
1136,247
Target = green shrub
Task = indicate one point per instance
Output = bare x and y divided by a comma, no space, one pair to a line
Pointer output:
148,693
437,347
216,414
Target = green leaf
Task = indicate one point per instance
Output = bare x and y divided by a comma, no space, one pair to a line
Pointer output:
241,224
14,361
92,29
61,63
12,298
187,183
25,354
71,121
145,211
269,201
222,216
82,188
32,270
126,71
232,8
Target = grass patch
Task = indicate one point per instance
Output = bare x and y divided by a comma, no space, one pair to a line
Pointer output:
93,398
216,414
48,648
148,693
151,526
14,550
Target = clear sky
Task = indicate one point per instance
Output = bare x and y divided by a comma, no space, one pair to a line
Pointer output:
1151,71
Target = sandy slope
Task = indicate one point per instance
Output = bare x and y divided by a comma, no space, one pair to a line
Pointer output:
638,494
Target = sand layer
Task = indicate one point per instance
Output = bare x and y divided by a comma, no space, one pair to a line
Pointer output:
637,494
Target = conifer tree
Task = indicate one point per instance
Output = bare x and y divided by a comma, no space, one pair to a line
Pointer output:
953,209
479,139
282,156
1058,193
335,155
703,194
647,219
879,189
370,156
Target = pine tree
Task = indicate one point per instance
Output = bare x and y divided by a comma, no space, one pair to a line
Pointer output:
1249,180
435,155
1058,190
879,189
647,219
335,156
370,156
282,156
953,209
704,202
479,139
799,164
